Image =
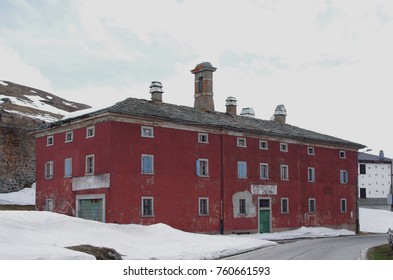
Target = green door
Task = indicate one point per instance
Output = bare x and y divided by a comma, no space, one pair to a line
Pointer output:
91,209
264,221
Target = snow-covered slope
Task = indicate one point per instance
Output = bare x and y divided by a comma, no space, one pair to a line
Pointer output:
34,103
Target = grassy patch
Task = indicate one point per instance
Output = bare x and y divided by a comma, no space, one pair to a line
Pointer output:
383,252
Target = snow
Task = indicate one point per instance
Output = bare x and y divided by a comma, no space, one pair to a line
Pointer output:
84,112
28,235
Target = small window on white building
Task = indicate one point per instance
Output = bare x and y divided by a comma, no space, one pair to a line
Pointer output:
203,208
203,138
312,207
147,207
362,168
147,164
242,169
69,136
49,170
89,164
343,177
68,167
90,131
263,145
283,147
311,174
50,140
284,205
202,167
147,131
241,142
343,205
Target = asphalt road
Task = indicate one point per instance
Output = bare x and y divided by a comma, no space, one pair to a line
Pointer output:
337,248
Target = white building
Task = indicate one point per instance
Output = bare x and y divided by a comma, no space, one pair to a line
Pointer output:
375,178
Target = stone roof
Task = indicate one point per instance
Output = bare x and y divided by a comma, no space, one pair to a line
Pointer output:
191,116
363,157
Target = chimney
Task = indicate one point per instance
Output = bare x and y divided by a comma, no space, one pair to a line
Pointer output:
248,112
231,105
203,92
381,155
156,91
280,114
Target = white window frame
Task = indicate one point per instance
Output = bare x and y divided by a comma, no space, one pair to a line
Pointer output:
263,145
286,200
50,140
343,177
242,203
49,169
241,142
242,169
283,147
284,172
71,134
311,174
143,171
311,151
343,205
342,154
266,167
145,198
69,161
311,209
89,166
202,167
90,131
147,131
203,210
203,138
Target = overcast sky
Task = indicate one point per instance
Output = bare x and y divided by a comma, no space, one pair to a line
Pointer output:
329,62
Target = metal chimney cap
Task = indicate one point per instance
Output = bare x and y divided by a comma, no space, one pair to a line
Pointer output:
247,112
280,110
156,87
231,101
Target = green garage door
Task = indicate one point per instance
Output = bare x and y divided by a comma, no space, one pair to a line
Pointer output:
91,209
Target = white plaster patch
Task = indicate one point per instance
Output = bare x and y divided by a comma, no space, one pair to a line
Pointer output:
91,182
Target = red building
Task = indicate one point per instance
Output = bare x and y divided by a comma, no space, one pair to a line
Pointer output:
195,169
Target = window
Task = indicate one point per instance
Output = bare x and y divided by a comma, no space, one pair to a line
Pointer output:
241,142
147,164
203,138
147,131
343,205
311,205
203,206
49,204
342,154
362,168
311,174
89,164
50,140
69,136
284,172
202,167
311,151
284,205
283,147
264,170
343,177
68,167
90,131
242,206
147,207
263,145
242,169
264,203
49,170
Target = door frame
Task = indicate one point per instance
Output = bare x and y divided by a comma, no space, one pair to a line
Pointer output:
90,196
265,208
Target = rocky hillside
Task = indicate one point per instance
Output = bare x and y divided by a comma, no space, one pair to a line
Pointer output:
22,109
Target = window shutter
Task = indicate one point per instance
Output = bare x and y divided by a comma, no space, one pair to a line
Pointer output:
198,167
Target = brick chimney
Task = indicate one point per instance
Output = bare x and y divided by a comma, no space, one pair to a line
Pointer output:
280,114
203,92
156,91
231,104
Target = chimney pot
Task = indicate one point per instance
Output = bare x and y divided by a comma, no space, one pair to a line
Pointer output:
280,114
231,104
381,155
156,91
248,112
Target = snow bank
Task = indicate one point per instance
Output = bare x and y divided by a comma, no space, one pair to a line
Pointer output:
25,196
375,220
